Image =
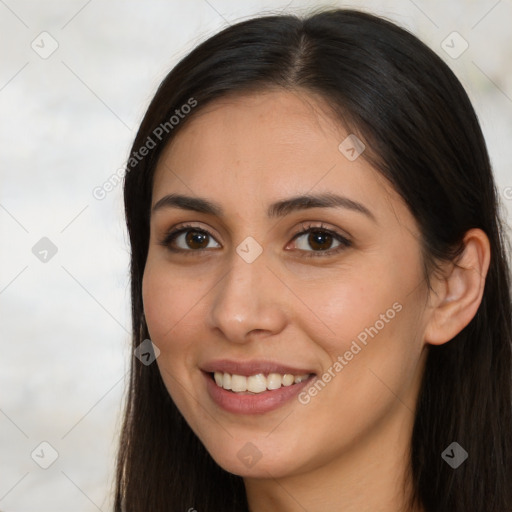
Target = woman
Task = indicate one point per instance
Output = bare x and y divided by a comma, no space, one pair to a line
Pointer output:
318,258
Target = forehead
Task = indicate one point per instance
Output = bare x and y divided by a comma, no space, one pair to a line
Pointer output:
265,145
257,125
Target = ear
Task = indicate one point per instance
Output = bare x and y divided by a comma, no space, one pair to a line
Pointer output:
456,296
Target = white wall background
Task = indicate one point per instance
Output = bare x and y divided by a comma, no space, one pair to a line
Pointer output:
67,123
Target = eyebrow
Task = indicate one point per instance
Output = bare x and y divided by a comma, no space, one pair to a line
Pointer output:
275,210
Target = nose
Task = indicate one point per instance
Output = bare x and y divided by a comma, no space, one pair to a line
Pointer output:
248,299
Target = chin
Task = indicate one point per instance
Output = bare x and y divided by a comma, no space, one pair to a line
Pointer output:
250,459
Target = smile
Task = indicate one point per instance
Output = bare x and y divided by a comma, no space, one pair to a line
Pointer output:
258,383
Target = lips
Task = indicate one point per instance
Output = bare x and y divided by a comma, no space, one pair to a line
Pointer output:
253,387
255,367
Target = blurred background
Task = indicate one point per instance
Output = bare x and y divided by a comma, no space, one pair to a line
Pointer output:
75,80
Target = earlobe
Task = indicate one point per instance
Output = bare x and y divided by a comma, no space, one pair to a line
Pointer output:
460,291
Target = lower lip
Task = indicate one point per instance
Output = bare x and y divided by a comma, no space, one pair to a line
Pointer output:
258,403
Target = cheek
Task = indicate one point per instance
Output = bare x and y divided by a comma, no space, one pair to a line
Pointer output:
166,301
166,304
369,328
352,307
167,292
156,300
174,300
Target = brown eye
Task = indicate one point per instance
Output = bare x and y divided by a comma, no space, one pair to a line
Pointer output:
196,239
320,240
188,239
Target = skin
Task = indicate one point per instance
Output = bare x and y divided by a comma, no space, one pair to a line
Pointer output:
347,448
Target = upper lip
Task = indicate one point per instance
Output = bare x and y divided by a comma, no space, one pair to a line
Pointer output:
253,367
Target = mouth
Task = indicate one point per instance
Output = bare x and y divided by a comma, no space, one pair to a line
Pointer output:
258,383
255,387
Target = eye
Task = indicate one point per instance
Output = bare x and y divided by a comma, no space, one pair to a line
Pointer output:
190,237
320,239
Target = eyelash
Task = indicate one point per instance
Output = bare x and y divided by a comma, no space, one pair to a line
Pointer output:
306,228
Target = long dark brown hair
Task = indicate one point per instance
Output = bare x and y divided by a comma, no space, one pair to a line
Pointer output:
422,134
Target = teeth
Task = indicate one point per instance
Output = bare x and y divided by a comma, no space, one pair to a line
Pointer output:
274,381
218,378
238,383
226,380
256,383
288,379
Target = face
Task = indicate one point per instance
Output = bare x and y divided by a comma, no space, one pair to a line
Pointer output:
290,331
